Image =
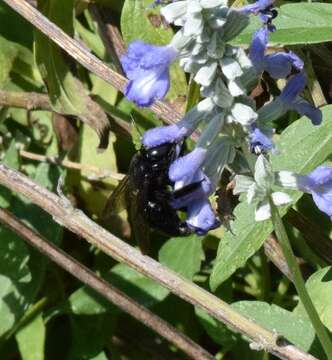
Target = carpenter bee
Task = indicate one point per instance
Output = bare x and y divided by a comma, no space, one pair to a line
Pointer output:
146,193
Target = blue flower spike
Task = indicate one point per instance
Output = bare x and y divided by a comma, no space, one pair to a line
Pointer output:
147,68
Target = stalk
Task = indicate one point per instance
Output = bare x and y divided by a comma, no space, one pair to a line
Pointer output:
298,281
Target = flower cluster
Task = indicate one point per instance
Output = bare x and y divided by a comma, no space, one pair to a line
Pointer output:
226,115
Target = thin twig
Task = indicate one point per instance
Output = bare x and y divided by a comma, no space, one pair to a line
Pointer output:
76,221
38,101
273,251
25,100
83,56
97,172
106,290
110,35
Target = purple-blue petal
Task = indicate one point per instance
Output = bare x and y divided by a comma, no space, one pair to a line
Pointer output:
201,217
149,87
187,166
279,65
303,107
257,48
256,7
260,142
198,187
293,88
319,184
322,175
147,68
163,134
323,202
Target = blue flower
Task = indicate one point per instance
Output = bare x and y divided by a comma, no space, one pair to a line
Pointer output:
278,65
257,7
164,134
201,216
177,132
191,191
265,10
293,88
289,100
147,68
186,167
319,184
260,141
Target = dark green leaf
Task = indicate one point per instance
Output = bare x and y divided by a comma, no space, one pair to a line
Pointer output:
145,291
183,255
300,23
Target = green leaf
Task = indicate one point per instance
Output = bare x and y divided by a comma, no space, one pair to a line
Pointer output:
295,328
67,94
140,288
22,268
85,301
8,53
90,335
11,159
301,148
319,286
183,255
138,22
31,339
219,333
300,23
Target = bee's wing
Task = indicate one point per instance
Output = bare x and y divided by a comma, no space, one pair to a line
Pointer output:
117,201
139,226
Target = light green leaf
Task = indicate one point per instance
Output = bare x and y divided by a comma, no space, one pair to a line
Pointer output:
140,288
319,286
138,22
295,328
301,148
31,339
67,94
300,23
8,53
183,255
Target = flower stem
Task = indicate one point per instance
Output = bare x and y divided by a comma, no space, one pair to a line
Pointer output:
298,281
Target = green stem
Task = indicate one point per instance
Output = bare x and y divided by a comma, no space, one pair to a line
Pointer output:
298,281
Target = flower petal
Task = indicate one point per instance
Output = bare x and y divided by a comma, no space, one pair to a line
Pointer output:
201,217
147,88
292,89
303,107
279,65
163,134
186,166
257,48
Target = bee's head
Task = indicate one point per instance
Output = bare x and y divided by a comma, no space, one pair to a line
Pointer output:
164,153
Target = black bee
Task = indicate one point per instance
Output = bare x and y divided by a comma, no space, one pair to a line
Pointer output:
147,192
